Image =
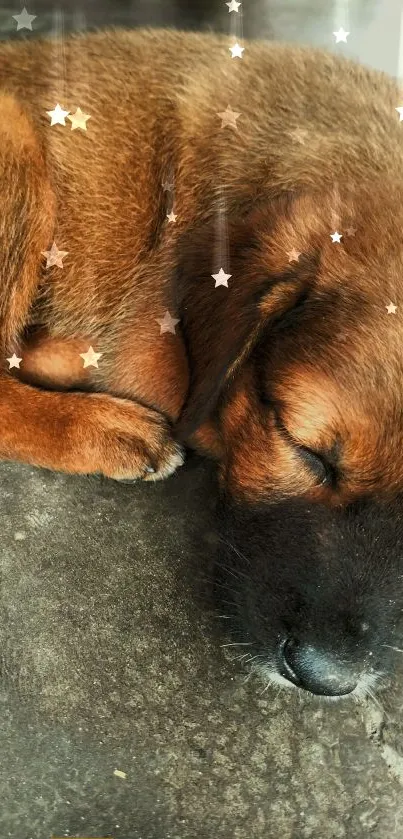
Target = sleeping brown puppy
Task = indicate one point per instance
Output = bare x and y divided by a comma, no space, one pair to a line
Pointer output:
289,372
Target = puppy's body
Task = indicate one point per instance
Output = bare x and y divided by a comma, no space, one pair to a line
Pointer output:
153,97
290,377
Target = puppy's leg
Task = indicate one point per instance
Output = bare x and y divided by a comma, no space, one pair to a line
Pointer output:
26,220
118,437
73,432
84,432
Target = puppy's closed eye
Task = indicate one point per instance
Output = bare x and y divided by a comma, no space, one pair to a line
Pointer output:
317,465
315,461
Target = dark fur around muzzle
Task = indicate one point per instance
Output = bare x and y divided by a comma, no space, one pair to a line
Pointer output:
313,596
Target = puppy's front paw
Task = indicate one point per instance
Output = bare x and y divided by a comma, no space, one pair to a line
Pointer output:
126,441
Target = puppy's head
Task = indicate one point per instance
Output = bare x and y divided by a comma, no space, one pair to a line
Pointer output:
296,370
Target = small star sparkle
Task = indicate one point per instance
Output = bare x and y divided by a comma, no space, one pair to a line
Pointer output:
293,255
400,112
229,117
167,323
24,20
171,216
351,231
391,308
233,6
54,256
236,51
90,357
14,361
79,120
58,115
341,35
336,237
221,278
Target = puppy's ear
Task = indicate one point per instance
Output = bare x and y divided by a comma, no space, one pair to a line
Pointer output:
220,324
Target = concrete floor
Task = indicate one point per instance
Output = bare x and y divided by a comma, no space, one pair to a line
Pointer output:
111,661
111,658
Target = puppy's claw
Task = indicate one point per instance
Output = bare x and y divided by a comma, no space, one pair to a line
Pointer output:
173,461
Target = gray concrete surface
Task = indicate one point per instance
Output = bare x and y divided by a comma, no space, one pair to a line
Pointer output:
110,656
110,660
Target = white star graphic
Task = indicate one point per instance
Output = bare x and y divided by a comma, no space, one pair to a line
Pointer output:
233,6
236,51
54,256
167,323
293,255
171,216
221,278
58,115
24,20
90,357
79,120
391,309
400,112
14,361
341,35
229,117
335,237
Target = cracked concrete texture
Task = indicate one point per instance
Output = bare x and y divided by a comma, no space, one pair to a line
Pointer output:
110,655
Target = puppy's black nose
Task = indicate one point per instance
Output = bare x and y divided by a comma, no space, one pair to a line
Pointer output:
315,670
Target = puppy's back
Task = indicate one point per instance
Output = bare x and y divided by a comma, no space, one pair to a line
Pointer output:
154,97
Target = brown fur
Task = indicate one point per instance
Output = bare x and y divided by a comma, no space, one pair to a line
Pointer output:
153,97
